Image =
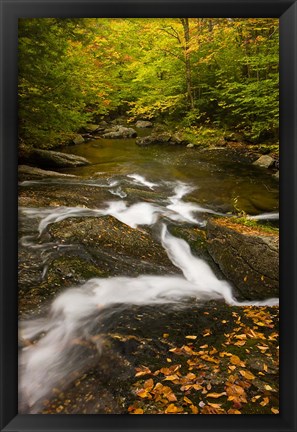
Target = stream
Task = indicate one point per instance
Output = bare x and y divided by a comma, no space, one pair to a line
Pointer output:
148,192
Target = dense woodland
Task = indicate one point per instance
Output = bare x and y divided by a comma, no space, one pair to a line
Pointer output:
197,72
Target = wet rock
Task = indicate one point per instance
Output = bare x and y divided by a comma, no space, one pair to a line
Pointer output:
91,128
264,161
78,139
161,138
117,132
190,145
247,257
119,249
54,159
143,124
26,171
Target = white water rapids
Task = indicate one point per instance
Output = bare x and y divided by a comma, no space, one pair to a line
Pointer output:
51,360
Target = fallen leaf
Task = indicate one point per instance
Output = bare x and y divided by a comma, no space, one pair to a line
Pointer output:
148,384
142,370
187,400
171,377
264,402
235,360
233,411
246,374
275,410
216,395
194,409
214,405
191,337
143,393
172,409
138,411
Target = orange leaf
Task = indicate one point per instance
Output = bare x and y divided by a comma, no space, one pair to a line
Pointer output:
138,411
194,409
216,395
142,370
171,378
246,374
172,409
188,400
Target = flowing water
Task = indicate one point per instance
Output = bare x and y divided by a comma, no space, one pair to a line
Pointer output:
183,187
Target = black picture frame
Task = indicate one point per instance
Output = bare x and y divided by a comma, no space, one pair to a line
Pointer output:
286,11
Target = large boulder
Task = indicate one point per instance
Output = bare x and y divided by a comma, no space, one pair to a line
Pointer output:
248,257
54,159
264,161
161,138
117,132
143,124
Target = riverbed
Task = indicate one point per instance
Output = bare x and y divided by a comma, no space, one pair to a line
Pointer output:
103,274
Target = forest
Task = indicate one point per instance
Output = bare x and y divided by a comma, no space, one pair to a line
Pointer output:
218,74
148,191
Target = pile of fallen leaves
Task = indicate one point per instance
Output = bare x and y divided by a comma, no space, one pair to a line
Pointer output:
238,377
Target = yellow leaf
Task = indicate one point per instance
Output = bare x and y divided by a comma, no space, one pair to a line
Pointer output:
138,411
265,401
149,384
235,360
214,405
143,393
172,409
142,370
203,346
191,337
268,387
165,335
168,360
240,343
188,400
194,409
246,374
216,395
171,377
275,410
233,411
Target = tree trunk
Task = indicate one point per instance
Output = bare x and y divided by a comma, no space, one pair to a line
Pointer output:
185,23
